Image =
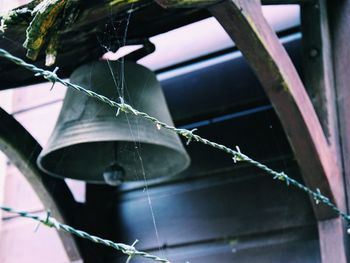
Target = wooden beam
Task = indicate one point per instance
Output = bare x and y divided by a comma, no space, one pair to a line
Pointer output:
332,237
244,22
319,83
339,21
201,3
318,68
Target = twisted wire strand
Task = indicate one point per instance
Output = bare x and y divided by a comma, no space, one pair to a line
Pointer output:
49,221
188,134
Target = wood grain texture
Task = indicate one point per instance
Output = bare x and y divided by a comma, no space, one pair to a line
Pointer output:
98,23
244,22
339,23
319,82
318,68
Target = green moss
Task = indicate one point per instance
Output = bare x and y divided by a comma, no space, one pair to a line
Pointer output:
45,17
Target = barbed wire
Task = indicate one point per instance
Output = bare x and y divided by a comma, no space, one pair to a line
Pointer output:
49,221
121,106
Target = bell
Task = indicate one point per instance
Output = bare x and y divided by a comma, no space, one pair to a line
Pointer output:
91,143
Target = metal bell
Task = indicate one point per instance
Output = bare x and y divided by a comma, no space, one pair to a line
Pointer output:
90,143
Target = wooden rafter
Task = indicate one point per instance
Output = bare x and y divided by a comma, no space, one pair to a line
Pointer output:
58,30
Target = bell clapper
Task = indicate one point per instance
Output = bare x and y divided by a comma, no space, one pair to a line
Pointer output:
114,174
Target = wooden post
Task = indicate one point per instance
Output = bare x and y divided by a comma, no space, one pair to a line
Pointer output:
244,22
332,235
339,21
318,68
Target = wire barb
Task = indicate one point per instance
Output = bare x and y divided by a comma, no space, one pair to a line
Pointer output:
49,221
131,251
238,156
123,107
49,75
188,134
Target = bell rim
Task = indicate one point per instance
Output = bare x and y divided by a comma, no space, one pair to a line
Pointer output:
64,140
186,161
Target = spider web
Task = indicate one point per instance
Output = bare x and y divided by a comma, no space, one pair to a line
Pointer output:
112,43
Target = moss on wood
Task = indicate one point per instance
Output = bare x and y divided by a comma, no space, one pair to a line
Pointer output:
44,19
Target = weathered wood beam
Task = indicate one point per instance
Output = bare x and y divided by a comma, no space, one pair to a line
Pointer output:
339,21
319,83
244,22
318,68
